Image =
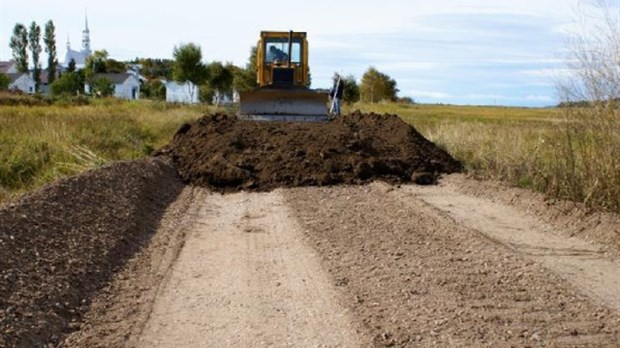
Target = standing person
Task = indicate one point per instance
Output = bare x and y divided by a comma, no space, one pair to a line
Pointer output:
336,95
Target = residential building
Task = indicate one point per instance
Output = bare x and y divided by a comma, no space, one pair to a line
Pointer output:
126,85
186,92
22,82
17,81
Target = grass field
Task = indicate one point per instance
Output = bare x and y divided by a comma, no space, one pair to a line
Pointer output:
569,154
540,149
39,144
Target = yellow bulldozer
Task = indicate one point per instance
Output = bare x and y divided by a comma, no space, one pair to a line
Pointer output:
282,74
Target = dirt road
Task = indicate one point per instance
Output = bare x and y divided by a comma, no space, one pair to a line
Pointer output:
374,265
246,278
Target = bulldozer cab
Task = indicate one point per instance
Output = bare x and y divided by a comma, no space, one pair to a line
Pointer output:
282,59
282,75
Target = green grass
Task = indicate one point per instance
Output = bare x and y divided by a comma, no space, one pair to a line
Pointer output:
39,144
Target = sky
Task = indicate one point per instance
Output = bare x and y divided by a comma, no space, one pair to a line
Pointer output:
470,52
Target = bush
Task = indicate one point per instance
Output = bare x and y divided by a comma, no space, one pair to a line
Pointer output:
154,90
71,83
103,87
5,81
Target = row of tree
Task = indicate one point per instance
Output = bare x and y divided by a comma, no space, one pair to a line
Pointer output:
374,87
218,78
215,78
29,39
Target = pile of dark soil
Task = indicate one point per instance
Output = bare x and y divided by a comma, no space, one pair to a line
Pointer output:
227,154
62,244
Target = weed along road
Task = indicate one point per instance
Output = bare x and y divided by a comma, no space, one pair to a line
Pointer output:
360,266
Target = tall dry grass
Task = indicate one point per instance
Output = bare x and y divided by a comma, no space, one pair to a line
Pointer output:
564,152
586,165
39,144
568,153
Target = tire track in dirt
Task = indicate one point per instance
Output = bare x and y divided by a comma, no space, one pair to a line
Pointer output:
414,277
245,278
583,264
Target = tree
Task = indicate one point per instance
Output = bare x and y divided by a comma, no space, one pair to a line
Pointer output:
5,81
49,38
220,78
377,86
155,68
351,92
188,66
19,45
71,65
405,100
245,79
69,83
34,39
114,66
95,64
153,89
206,93
103,87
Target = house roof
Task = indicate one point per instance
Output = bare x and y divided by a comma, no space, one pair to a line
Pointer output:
16,76
116,78
5,67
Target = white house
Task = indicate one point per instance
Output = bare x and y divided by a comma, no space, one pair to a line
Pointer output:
17,81
22,82
126,85
181,93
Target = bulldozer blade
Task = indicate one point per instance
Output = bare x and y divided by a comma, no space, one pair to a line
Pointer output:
284,105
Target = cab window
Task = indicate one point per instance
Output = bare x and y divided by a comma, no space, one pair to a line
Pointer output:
277,50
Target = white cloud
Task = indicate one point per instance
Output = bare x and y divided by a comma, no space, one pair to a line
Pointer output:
546,73
477,96
429,94
404,65
540,98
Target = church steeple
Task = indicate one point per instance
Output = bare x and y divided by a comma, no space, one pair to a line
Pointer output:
68,43
86,36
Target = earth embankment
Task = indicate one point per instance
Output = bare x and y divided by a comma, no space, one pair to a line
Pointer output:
62,244
227,154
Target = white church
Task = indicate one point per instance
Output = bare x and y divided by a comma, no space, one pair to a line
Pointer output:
79,56
126,85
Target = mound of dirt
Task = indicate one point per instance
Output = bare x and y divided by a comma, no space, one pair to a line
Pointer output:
227,154
63,243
